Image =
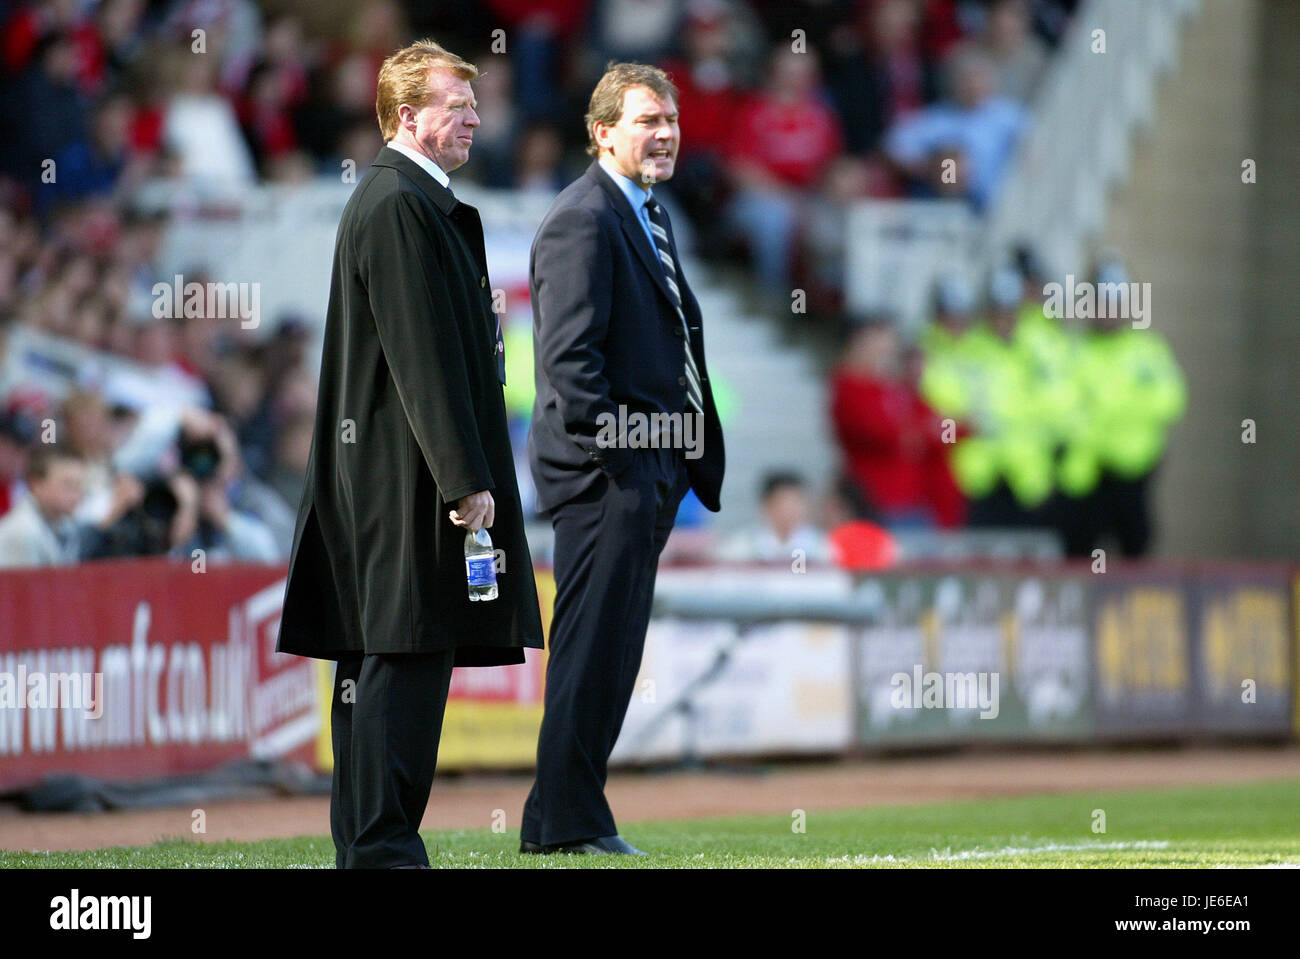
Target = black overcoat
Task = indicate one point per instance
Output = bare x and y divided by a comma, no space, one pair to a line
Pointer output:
410,418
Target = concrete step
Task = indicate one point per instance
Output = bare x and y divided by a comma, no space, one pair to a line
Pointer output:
778,389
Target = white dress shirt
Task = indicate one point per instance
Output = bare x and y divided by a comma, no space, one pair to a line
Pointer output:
424,163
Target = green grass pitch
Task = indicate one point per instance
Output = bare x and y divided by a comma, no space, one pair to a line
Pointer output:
1240,825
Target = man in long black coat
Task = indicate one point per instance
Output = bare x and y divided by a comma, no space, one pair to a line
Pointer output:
619,348
410,450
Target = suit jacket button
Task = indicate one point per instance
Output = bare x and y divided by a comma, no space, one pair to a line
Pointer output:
677,331
681,381
482,281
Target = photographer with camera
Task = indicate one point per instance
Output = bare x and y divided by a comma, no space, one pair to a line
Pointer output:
187,498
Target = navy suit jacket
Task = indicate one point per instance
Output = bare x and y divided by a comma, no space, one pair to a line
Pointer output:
606,334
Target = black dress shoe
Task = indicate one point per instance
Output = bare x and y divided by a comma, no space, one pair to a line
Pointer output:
602,845
414,865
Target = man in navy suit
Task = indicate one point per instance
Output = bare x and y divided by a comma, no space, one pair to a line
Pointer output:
624,424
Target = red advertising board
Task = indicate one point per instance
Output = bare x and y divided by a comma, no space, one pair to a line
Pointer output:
133,669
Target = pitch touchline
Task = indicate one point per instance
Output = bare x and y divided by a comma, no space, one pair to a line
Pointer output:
937,856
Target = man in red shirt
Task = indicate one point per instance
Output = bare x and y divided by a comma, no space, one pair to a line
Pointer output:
782,141
710,92
890,437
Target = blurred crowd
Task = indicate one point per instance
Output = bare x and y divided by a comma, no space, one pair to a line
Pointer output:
790,110
998,415
1001,414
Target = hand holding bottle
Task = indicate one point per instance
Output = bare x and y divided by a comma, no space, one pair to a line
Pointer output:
475,511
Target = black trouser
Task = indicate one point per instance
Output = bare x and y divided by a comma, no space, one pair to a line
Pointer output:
1128,511
999,509
1117,505
386,721
607,545
1080,523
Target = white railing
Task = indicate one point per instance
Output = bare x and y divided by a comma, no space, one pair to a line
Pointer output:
1084,118
896,250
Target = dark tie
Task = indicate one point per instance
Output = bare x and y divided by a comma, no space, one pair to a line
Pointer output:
659,227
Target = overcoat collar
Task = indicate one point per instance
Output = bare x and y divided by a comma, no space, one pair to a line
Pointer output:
463,216
631,227
466,221
442,198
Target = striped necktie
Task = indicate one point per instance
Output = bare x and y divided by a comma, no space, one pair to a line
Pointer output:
659,227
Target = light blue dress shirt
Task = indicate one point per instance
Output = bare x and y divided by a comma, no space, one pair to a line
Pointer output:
635,196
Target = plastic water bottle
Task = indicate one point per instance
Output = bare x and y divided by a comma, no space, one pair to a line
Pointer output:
480,566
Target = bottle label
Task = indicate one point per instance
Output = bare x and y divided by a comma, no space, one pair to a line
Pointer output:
481,570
